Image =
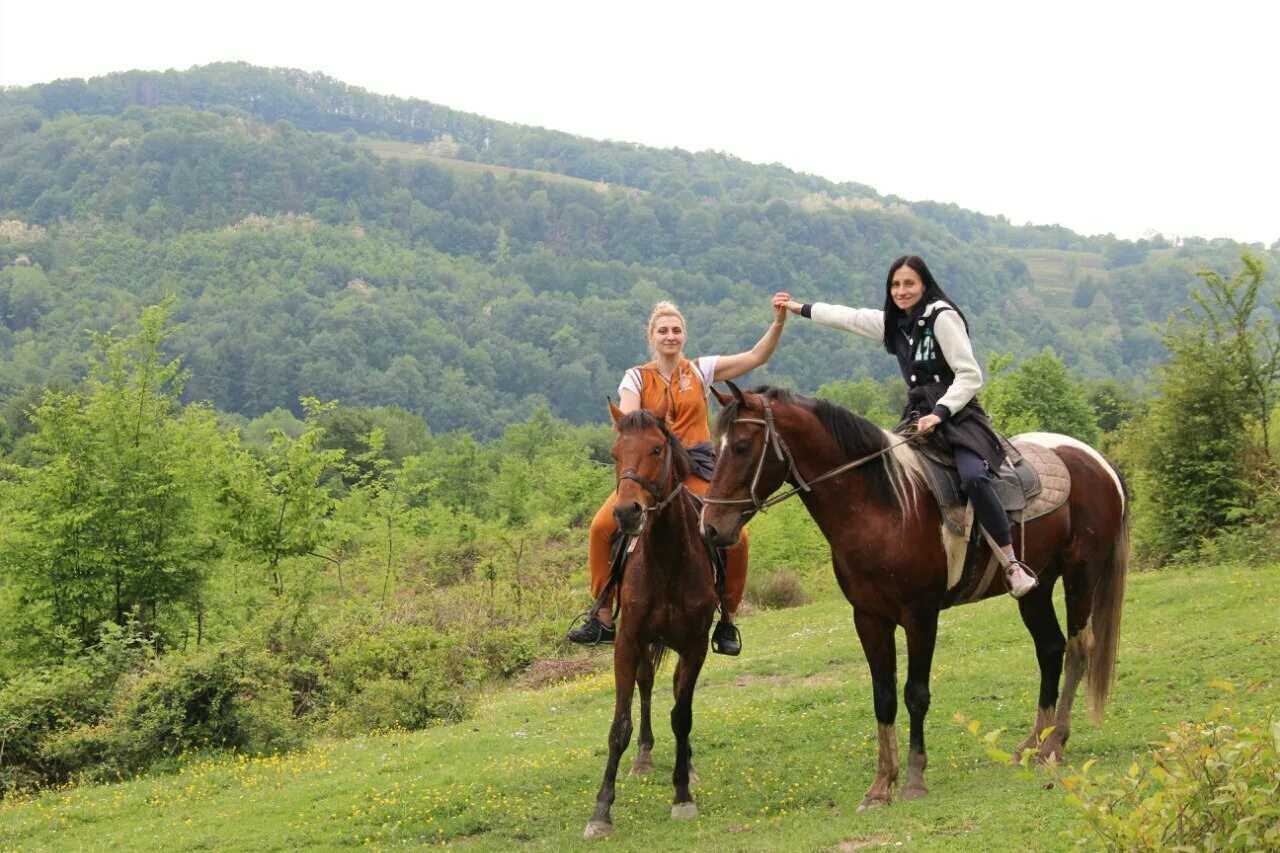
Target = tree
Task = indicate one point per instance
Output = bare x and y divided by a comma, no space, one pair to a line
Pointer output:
1229,307
878,403
1202,455
1039,397
120,517
280,504
389,494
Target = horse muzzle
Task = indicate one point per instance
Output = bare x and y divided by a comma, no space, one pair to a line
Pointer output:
721,532
631,517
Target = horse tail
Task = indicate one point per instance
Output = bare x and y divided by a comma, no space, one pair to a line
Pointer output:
656,653
1108,602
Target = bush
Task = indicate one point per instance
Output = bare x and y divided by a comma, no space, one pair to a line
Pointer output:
398,703
1213,785
778,591
37,705
227,699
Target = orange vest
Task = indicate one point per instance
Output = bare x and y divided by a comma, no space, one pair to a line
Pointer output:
687,417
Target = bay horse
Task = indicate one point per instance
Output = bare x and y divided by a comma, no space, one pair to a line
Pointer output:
668,599
869,496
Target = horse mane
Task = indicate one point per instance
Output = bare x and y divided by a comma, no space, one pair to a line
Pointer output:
854,435
643,419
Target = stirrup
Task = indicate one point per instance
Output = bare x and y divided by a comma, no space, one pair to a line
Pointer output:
1014,565
726,639
592,632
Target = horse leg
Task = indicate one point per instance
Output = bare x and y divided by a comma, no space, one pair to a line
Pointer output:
876,635
643,762
626,659
1041,621
691,661
922,636
694,778
1079,639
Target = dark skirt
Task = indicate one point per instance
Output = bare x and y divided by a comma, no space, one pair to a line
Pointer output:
970,427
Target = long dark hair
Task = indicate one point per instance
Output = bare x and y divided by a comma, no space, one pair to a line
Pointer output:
932,293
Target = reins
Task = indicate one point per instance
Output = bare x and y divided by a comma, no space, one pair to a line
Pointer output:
628,543
663,477
774,437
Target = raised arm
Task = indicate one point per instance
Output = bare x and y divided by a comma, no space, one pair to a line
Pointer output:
868,322
733,366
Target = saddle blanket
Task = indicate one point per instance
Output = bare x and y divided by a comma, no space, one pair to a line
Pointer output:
1054,485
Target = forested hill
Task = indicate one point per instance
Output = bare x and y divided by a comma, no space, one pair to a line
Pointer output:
328,241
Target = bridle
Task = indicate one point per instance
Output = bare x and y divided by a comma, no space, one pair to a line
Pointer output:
664,477
773,437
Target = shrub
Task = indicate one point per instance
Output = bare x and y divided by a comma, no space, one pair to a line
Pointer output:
37,705
778,591
506,651
398,703
178,704
1213,785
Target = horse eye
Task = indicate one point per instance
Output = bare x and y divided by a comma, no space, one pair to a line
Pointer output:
740,447
657,451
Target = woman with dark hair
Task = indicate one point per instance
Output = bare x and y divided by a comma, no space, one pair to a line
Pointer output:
929,335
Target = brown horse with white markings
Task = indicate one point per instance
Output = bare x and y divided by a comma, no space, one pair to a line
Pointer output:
868,495
668,599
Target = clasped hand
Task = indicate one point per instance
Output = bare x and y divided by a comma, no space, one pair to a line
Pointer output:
927,423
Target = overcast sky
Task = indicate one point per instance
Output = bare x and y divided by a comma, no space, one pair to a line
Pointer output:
1123,117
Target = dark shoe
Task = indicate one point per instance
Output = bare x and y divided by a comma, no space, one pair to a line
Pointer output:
725,639
592,632
1020,579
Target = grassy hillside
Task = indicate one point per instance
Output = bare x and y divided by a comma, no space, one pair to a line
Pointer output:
1056,272
399,150
784,740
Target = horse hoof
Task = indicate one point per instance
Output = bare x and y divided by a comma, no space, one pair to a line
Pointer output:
694,778
914,792
684,810
640,766
869,803
598,829
1049,758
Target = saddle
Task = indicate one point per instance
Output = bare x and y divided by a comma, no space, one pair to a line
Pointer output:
1020,483
1033,482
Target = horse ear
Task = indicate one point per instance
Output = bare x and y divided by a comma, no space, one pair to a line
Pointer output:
615,414
737,392
724,398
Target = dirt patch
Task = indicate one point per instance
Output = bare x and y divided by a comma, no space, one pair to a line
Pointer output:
851,844
557,670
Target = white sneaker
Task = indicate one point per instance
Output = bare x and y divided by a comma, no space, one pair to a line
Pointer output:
1019,578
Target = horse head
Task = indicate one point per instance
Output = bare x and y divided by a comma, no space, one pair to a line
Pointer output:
650,465
750,466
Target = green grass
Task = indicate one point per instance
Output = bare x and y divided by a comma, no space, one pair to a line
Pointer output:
1056,272
399,150
784,740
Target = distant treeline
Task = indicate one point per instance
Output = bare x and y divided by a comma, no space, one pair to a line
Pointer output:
306,265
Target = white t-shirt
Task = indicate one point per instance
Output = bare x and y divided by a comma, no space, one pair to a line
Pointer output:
706,367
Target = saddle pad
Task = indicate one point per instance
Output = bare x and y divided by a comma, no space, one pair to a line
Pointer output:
1015,485
1055,486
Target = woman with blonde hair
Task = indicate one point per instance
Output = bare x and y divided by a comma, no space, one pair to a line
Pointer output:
685,383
